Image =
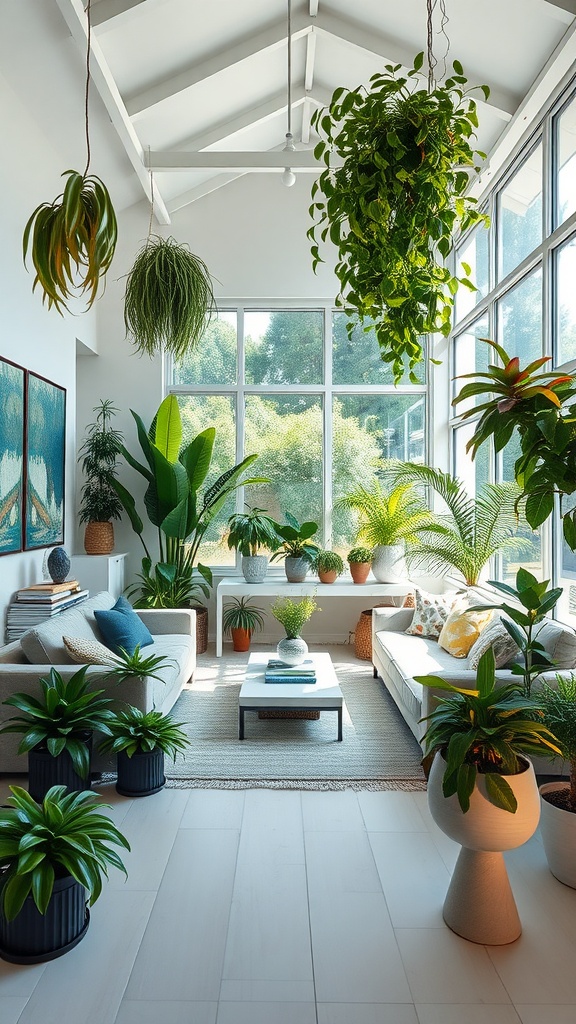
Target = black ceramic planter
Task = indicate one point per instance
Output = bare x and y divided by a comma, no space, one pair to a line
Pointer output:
45,771
142,774
32,937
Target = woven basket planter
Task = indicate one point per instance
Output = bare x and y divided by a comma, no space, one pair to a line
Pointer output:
201,628
311,716
99,538
363,633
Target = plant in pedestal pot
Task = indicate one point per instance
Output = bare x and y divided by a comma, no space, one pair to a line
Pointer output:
292,615
100,504
53,856
140,741
329,566
249,533
360,562
296,547
241,619
558,810
482,792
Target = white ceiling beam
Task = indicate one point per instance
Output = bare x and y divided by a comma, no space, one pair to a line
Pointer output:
313,8
306,126
108,10
272,160
248,118
310,58
393,51
563,10
270,39
192,195
75,18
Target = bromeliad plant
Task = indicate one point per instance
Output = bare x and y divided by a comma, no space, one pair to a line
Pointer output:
484,731
393,206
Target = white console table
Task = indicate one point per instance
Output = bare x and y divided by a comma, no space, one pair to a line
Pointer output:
278,586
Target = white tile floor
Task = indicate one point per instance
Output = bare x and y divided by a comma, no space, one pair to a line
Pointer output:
281,907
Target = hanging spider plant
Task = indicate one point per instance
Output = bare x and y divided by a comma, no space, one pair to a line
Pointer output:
169,299
72,240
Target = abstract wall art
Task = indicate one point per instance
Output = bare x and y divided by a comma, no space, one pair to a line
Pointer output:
45,457
12,396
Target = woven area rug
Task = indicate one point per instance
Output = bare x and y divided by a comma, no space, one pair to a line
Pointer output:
378,750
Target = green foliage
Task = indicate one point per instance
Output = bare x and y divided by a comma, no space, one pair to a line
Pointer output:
559,706
99,454
72,241
542,408
360,555
475,529
482,732
137,665
169,299
64,835
393,208
57,719
168,585
536,601
293,614
295,538
138,732
242,614
249,531
328,561
388,516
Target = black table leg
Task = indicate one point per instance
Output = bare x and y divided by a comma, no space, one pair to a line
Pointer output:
240,723
339,724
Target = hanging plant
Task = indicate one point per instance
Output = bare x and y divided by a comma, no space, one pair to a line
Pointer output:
72,239
394,205
169,299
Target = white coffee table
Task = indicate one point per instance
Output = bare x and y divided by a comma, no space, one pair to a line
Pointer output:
256,695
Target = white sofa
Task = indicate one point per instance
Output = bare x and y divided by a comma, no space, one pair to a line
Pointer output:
398,656
174,632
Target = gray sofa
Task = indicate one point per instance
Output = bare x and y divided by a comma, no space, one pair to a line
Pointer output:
174,632
398,656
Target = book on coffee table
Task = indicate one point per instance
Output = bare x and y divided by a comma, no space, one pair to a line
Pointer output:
278,671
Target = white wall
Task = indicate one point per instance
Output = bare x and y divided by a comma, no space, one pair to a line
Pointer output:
30,335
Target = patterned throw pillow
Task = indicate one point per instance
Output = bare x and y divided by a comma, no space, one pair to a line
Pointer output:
409,601
430,613
496,636
88,652
462,628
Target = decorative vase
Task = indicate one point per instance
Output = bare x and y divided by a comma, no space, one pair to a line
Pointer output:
327,575
142,774
58,565
389,563
558,828
241,639
254,568
295,569
479,904
34,938
359,571
99,538
292,650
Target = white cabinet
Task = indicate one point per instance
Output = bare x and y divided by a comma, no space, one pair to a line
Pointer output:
100,572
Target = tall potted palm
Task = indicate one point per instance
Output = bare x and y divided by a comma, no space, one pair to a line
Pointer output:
98,454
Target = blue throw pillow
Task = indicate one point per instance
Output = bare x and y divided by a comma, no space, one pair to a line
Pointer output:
122,627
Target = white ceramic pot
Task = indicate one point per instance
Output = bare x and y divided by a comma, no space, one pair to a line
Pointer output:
479,904
558,828
389,563
292,650
254,568
296,569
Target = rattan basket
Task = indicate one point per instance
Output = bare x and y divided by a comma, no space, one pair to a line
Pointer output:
201,628
311,716
99,538
363,632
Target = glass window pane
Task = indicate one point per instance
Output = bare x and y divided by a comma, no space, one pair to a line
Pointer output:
286,431
471,356
356,360
520,214
284,346
532,559
566,302
472,472
565,158
214,360
474,252
199,412
520,319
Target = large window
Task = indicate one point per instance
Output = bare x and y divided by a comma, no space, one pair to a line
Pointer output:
318,406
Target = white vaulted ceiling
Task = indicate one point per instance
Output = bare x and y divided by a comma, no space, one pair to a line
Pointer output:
197,88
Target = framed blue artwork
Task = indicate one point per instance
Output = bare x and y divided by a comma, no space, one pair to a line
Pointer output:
11,456
44,465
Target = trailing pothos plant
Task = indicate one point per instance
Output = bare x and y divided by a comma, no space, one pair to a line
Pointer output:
394,205
541,407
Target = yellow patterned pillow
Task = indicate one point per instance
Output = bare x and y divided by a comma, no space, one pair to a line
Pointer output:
462,629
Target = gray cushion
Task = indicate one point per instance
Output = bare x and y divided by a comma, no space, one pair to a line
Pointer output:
560,643
43,645
496,636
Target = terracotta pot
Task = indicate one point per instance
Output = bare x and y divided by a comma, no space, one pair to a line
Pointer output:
241,639
99,538
327,575
359,571
558,828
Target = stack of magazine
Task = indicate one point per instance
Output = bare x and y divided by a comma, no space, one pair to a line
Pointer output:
42,601
279,672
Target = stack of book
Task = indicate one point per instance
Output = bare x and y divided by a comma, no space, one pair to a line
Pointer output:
279,672
41,601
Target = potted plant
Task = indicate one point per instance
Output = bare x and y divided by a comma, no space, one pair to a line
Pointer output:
297,549
53,855
360,562
394,205
329,566
388,520
241,619
140,740
558,808
292,615
57,730
100,503
482,792
250,532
